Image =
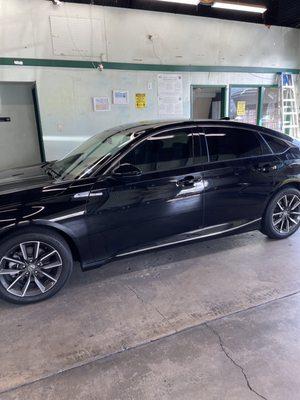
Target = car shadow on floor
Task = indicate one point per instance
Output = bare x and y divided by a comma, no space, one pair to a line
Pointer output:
159,258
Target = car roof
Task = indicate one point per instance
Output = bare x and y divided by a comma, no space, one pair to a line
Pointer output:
150,125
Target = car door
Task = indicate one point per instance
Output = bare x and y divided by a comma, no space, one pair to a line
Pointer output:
124,212
239,176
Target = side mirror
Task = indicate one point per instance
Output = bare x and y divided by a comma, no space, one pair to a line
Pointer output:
126,170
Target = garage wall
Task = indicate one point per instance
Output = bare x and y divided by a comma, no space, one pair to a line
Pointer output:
38,29
65,98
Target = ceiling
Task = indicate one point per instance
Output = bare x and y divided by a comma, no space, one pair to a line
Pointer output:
280,12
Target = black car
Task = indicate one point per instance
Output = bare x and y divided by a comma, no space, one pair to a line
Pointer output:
139,187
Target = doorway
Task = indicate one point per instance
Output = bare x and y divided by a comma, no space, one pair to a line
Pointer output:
208,102
20,142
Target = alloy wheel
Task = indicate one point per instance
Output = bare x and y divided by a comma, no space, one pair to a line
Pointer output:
30,269
286,215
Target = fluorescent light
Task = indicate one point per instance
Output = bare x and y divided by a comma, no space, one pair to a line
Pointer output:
239,7
191,2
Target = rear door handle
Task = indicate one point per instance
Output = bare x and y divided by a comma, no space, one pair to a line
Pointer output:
266,168
97,193
188,181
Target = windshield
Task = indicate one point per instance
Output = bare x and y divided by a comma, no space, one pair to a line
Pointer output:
84,159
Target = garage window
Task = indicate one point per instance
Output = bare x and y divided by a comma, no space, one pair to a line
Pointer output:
271,115
244,104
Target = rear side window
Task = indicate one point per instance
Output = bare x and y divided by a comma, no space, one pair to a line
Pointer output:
276,145
229,144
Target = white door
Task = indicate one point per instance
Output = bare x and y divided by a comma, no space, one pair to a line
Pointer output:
19,144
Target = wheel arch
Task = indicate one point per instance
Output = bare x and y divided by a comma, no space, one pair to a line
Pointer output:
43,225
287,184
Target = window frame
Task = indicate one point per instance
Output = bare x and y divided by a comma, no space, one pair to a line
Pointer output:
200,142
254,131
263,134
246,87
189,129
261,89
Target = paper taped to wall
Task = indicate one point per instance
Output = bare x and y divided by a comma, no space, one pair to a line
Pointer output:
101,103
169,84
170,91
170,105
140,100
241,108
120,97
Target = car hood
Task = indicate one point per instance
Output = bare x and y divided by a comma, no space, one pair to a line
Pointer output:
24,178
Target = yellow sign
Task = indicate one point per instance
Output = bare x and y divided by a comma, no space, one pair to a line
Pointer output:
140,100
241,108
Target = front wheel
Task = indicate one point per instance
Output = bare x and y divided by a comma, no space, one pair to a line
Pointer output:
282,217
33,266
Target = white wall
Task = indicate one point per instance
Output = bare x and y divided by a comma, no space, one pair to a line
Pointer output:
38,29
65,98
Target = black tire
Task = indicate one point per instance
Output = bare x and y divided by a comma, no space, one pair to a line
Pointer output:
50,242
275,212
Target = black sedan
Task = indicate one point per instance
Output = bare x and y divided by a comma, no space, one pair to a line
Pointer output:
138,187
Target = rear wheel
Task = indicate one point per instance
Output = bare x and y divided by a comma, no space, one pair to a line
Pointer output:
282,218
33,266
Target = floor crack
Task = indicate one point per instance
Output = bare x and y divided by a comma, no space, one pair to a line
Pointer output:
222,345
136,293
139,297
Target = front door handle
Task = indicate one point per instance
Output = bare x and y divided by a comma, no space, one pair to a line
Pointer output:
93,193
81,195
188,181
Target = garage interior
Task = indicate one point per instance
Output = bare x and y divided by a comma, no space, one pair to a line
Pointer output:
214,320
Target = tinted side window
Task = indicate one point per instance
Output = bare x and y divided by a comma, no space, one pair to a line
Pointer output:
162,152
276,144
229,144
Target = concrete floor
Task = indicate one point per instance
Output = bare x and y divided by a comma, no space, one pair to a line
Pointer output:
214,320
